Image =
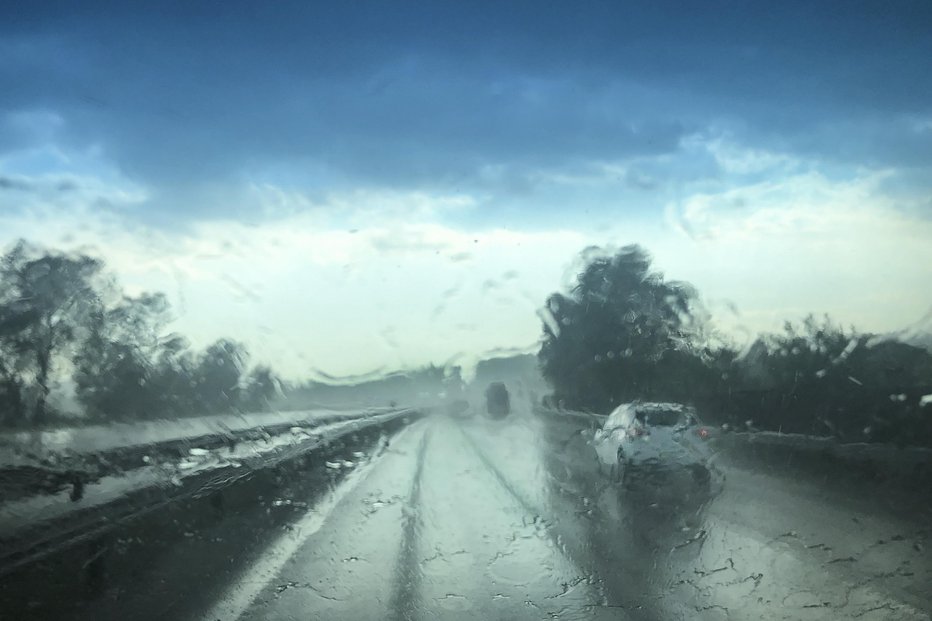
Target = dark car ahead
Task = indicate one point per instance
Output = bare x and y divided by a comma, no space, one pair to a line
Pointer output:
497,400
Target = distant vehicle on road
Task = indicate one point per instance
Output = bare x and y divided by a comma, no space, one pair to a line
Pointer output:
657,441
459,408
497,400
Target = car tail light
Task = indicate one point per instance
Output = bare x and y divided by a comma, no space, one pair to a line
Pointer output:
637,432
703,433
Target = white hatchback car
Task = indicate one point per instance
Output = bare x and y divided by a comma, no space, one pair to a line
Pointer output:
656,439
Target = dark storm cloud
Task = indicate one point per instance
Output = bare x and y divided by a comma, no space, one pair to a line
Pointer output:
406,95
19,185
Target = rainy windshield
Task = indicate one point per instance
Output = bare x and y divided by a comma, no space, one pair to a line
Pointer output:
661,418
431,310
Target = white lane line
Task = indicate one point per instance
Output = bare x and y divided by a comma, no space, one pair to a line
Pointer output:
241,594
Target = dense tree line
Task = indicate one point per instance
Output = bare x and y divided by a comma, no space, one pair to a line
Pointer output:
63,316
818,378
624,333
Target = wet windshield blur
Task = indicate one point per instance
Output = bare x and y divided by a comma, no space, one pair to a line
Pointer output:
427,310
661,418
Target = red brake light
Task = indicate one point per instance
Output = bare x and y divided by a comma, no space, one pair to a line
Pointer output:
702,432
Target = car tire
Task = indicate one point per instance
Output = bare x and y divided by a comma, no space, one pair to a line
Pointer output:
621,469
702,476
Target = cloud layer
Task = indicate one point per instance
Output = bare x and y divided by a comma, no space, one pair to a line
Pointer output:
428,172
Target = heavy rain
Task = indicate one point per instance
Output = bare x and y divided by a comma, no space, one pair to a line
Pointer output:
455,311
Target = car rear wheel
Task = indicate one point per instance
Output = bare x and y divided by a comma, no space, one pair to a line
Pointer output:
621,469
701,475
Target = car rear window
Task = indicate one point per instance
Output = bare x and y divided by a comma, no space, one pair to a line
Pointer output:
660,418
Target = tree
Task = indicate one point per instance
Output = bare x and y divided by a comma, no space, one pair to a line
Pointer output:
61,313
120,367
261,387
14,318
218,374
174,379
453,384
51,295
818,378
621,325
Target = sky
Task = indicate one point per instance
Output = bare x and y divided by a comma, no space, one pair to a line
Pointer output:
350,188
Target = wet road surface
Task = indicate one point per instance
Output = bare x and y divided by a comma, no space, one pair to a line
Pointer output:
464,519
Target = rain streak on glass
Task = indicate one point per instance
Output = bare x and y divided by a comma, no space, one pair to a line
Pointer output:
438,311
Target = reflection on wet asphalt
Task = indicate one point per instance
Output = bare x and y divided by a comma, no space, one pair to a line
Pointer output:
513,520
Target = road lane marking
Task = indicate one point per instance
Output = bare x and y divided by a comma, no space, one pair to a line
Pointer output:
240,596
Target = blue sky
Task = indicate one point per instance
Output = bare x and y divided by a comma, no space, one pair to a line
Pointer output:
430,170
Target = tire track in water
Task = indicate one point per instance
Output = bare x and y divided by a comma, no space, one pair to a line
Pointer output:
405,598
532,509
577,548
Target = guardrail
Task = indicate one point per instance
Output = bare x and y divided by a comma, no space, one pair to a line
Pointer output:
48,461
23,447
889,461
193,459
912,462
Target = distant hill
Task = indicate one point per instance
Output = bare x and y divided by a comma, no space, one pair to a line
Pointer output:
923,340
402,388
511,367
520,373
918,333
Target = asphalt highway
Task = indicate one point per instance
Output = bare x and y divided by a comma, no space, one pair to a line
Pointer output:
513,519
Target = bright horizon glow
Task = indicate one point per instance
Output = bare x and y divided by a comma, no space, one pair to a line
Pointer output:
311,300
